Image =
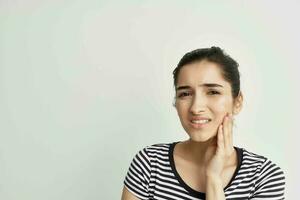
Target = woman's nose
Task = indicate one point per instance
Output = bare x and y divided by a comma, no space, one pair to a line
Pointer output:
198,105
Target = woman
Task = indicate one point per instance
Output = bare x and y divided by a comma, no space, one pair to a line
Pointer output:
207,165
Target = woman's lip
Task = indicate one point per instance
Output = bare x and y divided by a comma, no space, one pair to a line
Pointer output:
200,118
197,126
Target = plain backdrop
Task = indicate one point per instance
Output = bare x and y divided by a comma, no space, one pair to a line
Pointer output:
84,85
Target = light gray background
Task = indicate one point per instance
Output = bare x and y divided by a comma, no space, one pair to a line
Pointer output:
86,84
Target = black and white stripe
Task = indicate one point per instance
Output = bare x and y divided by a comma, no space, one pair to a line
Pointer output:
152,175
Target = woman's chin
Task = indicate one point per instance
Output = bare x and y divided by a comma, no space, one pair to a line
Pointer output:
201,137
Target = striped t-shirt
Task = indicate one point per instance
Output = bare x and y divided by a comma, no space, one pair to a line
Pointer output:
152,175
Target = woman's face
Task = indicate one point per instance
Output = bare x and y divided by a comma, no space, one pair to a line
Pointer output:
202,92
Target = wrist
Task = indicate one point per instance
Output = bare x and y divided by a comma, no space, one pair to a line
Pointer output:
213,178
213,175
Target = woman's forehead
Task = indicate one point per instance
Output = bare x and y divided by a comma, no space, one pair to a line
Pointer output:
201,73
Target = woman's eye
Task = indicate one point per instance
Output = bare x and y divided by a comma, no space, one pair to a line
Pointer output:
183,94
213,92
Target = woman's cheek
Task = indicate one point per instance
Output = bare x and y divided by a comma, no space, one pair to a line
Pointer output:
222,107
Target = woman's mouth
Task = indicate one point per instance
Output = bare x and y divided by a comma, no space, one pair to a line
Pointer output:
199,123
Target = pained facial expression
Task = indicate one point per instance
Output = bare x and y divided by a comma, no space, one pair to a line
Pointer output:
202,100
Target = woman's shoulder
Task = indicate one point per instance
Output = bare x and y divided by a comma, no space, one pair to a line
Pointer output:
156,147
268,176
154,151
263,164
252,156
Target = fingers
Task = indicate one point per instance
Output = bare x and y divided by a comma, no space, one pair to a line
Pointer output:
220,137
227,134
224,136
230,130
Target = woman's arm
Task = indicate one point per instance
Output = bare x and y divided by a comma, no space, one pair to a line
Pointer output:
214,188
136,182
270,183
127,195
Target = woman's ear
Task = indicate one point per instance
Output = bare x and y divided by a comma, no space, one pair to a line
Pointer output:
174,102
238,103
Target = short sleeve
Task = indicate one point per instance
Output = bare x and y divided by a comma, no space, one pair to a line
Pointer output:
138,175
271,182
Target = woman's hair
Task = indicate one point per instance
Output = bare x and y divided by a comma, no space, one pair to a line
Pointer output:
228,66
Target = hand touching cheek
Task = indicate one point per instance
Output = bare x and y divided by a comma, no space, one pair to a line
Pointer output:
224,148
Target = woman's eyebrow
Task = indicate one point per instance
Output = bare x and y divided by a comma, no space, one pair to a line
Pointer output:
204,85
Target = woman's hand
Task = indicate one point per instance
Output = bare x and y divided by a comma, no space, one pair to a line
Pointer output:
224,149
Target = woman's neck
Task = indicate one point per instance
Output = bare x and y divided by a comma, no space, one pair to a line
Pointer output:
199,152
